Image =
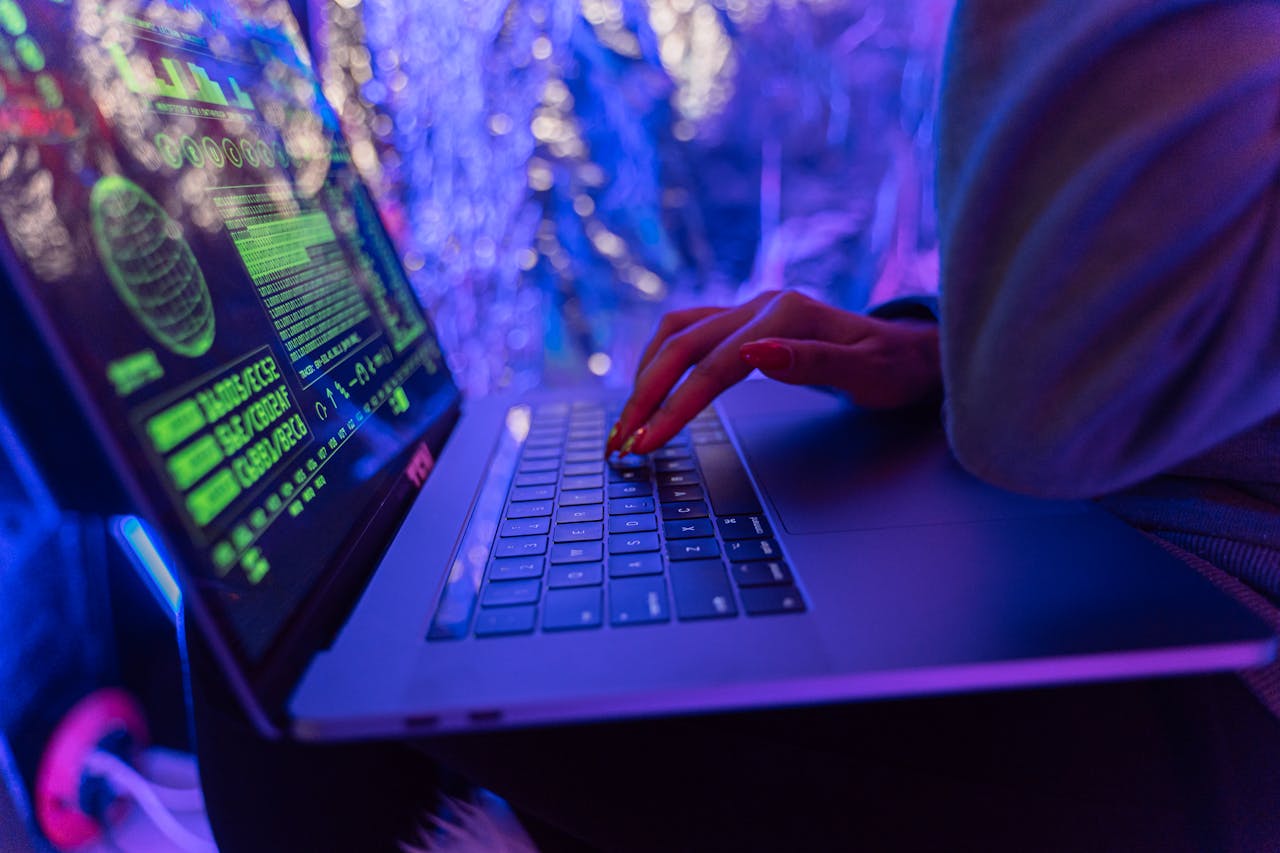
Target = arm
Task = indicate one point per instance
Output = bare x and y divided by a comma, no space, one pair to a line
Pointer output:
1109,194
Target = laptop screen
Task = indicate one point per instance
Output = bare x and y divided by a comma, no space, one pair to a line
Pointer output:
183,219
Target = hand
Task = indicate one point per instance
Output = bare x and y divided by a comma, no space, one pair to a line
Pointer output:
790,337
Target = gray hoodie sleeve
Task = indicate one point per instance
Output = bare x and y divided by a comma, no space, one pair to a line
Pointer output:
1109,200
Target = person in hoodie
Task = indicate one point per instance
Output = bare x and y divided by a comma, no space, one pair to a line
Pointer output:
1108,327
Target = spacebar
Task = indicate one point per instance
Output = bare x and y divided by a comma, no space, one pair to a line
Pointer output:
726,480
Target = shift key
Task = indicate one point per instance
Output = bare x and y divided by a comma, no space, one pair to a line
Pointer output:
638,600
702,590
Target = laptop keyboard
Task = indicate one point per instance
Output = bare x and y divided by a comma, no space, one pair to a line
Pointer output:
586,541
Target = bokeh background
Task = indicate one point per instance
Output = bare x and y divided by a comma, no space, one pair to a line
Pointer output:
558,173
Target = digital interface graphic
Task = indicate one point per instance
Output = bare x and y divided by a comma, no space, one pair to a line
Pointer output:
152,266
186,218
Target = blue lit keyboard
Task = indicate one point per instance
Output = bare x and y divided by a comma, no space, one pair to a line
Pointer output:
585,540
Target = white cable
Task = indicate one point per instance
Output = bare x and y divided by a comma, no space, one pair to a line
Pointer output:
178,799
187,798
129,782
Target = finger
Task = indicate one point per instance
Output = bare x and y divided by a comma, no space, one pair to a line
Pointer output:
801,362
673,323
679,351
705,382
722,367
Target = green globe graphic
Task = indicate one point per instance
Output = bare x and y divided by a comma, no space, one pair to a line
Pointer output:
152,267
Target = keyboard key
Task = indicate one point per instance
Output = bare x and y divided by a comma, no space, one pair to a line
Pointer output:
626,461
630,490
509,593
529,509
586,531
762,573
693,549
677,478
690,528
595,446
549,423
632,543
702,591
630,506
671,453
713,436
578,457
628,565
499,621
525,527
591,481
581,497
577,552
666,466
537,478
573,514
532,466
532,493
726,480
684,509
632,523
520,546
570,609
553,453
575,574
629,475
741,550
583,469
743,527
760,600
675,494
637,601
516,568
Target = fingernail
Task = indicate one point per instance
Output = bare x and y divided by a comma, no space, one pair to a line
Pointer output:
613,433
632,439
767,355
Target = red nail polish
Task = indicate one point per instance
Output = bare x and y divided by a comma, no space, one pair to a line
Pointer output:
628,446
766,355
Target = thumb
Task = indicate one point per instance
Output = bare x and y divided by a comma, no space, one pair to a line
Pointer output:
863,370
802,362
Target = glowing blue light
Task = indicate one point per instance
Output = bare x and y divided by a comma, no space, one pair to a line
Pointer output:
147,556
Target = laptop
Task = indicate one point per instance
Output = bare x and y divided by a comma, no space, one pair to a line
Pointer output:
370,556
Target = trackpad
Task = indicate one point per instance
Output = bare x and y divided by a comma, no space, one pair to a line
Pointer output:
831,471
